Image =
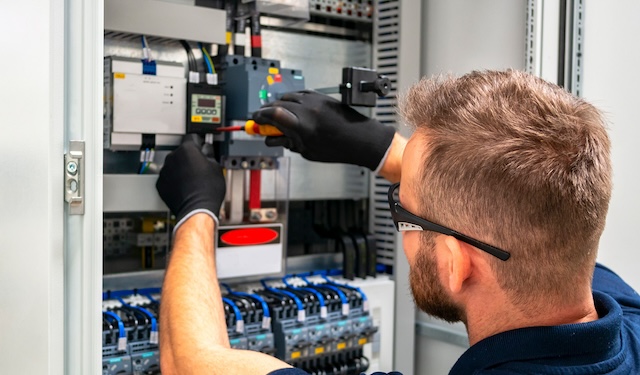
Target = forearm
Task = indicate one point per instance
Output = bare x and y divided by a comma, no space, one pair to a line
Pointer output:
192,314
392,164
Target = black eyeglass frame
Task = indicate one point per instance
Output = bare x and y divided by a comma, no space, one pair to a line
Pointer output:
401,215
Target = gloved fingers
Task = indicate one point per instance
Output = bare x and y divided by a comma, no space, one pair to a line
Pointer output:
278,141
196,139
297,96
279,116
207,150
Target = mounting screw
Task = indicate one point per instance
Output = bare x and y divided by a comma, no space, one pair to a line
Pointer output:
244,164
72,168
270,215
256,216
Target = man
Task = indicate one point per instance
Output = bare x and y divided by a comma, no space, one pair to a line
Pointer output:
504,190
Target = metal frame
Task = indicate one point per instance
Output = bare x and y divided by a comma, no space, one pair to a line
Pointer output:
554,45
83,233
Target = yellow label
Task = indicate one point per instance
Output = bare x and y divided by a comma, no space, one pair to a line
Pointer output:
319,350
362,341
148,226
274,70
295,355
229,37
341,345
270,80
118,75
196,118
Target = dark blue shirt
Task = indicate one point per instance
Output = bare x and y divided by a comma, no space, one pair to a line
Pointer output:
609,345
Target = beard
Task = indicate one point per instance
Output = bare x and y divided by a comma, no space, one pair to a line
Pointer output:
428,293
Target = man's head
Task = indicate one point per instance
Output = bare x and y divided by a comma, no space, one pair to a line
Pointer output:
517,163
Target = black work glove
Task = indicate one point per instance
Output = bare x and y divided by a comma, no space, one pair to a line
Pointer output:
321,128
189,182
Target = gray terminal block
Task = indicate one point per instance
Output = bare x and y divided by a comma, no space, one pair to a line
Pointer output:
292,343
262,342
251,82
116,365
239,343
146,363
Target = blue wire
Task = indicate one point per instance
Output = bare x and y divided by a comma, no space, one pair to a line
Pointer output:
115,316
154,322
206,61
142,39
357,289
265,307
236,310
286,293
145,164
341,294
317,294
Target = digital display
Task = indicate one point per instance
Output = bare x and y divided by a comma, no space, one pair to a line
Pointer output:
206,102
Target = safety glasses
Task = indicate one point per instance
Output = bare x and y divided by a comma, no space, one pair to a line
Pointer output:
406,221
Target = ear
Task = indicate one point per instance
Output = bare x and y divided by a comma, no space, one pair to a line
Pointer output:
459,264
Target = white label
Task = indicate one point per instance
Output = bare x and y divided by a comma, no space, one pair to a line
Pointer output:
212,79
266,322
365,305
239,39
323,312
301,315
194,77
240,326
153,337
122,344
345,309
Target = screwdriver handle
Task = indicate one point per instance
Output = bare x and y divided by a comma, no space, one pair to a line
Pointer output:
251,127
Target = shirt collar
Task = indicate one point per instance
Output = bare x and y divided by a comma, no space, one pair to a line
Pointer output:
592,341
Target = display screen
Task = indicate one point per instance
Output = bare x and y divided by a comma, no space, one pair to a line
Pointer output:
206,102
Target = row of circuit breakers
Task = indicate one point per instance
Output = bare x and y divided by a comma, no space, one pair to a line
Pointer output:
313,323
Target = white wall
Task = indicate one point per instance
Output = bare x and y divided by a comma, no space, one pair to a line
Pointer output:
31,199
461,35
611,82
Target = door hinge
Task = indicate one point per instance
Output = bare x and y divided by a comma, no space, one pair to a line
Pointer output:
74,177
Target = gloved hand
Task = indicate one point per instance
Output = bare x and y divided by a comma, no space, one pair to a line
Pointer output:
189,182
321,128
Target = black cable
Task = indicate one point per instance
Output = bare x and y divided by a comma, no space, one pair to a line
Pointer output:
193,67
256,37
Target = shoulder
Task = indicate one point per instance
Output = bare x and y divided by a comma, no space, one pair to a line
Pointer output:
608,282
288,371
297,371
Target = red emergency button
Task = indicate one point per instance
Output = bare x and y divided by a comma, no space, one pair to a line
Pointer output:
249,236
277,78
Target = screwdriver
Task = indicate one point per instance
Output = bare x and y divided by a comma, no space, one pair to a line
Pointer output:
251,127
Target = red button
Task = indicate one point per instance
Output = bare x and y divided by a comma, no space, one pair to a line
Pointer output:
249,236
277,78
